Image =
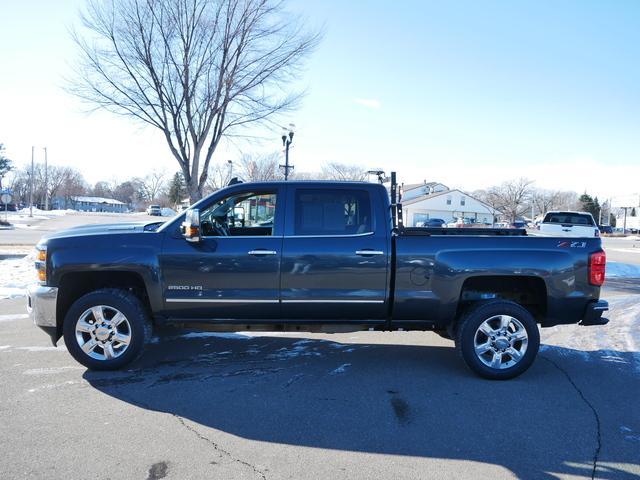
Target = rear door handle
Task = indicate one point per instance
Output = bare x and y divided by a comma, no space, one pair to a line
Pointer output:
365,253
262,252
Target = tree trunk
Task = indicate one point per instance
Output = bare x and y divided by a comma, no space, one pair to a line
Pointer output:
195,193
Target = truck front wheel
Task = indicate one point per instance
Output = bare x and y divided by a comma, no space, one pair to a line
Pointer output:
106,329
498,340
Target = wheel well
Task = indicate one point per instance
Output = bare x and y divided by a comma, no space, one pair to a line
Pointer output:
74,285
530,292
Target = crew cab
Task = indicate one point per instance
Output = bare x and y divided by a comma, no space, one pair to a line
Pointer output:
569,224
318,257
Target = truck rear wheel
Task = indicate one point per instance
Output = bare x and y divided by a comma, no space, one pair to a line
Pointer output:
498,340
106,329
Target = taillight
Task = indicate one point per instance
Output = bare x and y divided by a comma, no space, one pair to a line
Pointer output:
597,266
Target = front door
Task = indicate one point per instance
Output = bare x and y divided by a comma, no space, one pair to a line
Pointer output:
234,271
334,262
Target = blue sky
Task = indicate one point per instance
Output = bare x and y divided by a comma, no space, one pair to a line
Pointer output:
469,93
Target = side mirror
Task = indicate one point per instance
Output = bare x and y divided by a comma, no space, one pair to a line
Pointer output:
190,228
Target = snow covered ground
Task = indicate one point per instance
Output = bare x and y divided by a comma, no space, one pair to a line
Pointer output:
621,334
622,270
15,275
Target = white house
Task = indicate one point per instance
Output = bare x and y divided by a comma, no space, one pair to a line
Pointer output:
411,191
434,200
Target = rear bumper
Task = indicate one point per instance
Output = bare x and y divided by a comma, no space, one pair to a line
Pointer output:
41,306
593,313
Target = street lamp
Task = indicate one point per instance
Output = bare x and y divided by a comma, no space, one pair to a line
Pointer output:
287,140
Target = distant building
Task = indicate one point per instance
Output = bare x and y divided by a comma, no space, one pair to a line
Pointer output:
424,201
95,204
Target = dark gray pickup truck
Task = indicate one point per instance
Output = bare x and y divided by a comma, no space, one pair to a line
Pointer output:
312,256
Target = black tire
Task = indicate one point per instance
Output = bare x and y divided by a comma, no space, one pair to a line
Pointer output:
468,332
138,327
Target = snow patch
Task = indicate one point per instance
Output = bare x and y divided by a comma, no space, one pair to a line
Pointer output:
235,336
54,385
50,371
622,270
43,349
8,318
620,335
15,275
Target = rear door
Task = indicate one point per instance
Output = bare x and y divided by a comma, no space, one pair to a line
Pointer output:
335,254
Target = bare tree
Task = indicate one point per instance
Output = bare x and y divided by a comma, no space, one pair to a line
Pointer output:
5,164
546,200
152,185
511,198
254,168
195,69
344,172
219,176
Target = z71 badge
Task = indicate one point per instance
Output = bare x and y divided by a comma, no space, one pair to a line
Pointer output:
568,244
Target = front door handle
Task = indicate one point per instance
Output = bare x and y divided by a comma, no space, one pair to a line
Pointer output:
262,252
365,253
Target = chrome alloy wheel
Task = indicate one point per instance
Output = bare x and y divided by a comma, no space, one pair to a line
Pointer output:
501,341
103,332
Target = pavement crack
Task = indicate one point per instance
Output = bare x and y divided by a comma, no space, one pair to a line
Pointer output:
218,448
596,454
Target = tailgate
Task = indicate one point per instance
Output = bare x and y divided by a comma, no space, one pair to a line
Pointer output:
562,230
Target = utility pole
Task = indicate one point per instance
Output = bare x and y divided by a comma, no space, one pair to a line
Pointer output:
31,184
287,140
46,181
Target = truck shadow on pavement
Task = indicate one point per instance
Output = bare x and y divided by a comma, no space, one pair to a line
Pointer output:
408,400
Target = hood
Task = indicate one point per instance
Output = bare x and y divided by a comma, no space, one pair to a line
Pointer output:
103,229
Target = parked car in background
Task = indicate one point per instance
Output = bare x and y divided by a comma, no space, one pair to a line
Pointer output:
433,223
606,229
10,207
460,223
154,210
501,225
519,224
569,224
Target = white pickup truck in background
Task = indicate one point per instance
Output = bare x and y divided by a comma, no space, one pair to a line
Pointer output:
569,224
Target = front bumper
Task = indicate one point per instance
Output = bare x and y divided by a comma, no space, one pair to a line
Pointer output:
41,306
593,313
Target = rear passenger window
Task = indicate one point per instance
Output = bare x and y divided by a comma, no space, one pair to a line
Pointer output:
568,218
332,212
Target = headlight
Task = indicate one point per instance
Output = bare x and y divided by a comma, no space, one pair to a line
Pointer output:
41,263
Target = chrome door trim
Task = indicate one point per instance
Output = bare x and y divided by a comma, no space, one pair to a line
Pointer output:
332,301
330,236
219,300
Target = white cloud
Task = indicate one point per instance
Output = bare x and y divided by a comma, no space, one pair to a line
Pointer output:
368,102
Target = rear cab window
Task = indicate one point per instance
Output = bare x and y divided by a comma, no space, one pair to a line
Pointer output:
332,212
569,218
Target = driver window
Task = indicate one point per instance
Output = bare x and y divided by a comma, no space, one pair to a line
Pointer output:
241,214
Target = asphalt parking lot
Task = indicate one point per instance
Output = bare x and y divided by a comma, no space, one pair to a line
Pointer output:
361,405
